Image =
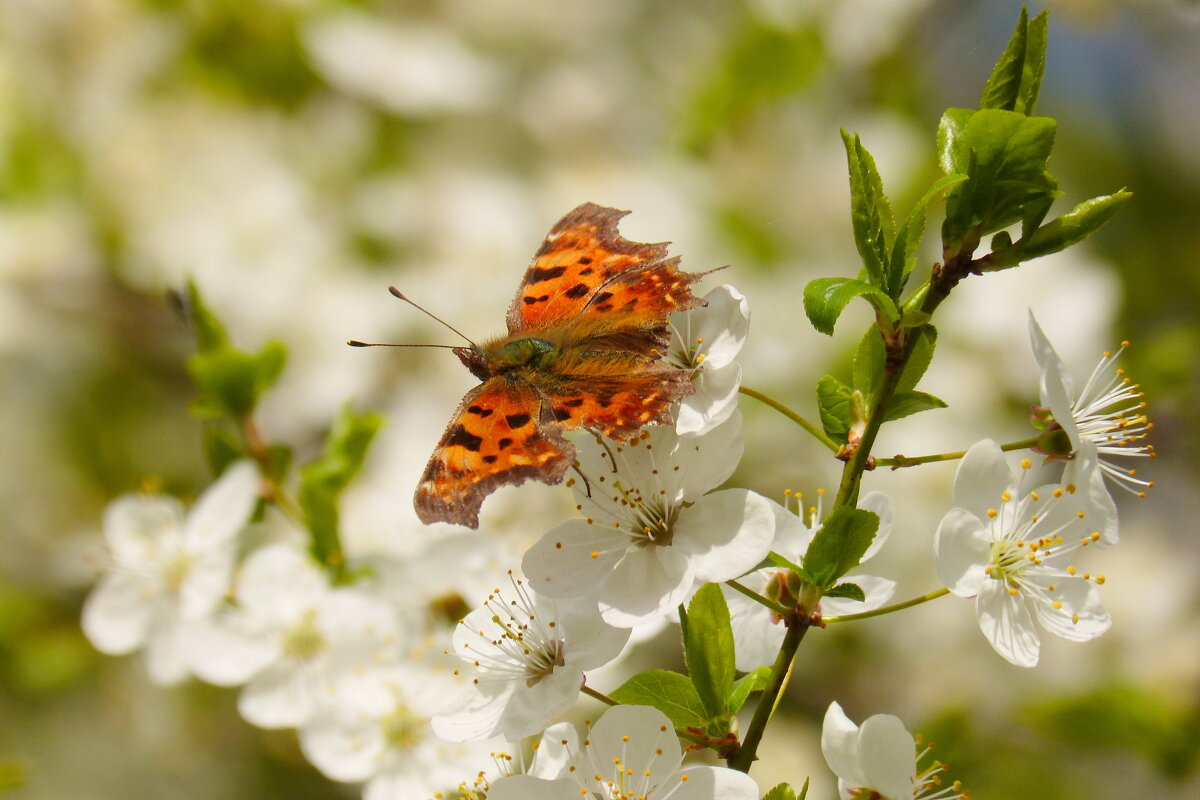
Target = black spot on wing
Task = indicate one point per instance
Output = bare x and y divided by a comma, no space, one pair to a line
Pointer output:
537,274
479,411
576,291
584,260
503,443
517,421
530,299
574,403
600,298
464,438
490,459
561,414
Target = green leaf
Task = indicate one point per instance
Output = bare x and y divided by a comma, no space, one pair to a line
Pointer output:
322,480
1071,228
1035,64
1017,77
1004,155
754,681
226,380
1004,86
870,212
221,447
868,363
834,405
826,298
708,648
210,332
671,693
781,792
904,404
908,238
918,361
839,545
850,591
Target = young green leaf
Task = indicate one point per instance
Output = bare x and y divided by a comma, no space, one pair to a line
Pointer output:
850,591
322,481
905,404
754,681
708,648
1035,64
210,332
870,212
839,544
908,238
221,447
826,298
781,792
671,693
918,361
869,361
834,405
1071,228
1004,85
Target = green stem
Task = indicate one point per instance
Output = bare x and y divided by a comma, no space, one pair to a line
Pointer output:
779,609
744,757
901,461
603,698
916,601
793,416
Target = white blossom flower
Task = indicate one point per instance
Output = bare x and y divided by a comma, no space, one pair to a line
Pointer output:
1102,421
169,571
1009,548
651,529
631,753
758,631
289,636
527,654
706,340
880,760
373,725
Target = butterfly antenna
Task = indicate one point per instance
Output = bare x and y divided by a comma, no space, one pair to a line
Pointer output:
397,293
356,343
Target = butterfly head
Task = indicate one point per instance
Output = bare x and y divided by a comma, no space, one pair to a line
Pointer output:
474,359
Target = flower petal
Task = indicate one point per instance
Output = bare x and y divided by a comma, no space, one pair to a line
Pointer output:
138,528
526,787
713,402
881,505
1057,386
877,590
1006,622
574,558
726,533
1080,616
710,783
117,614
278,697
888,755
640,737
840,746
961,552
983,475
649,583
223,510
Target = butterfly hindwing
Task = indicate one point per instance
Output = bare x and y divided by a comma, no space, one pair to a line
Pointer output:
501,433
618,407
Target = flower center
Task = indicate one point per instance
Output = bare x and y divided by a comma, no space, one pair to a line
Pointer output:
541,662
402,729
304,641
175,572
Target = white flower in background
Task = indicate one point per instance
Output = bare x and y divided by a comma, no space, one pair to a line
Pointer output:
1101,421
651,529
408,69
168,571
706,340
527,656
880,760
758,631
289,637
631,752
1009,548
373,725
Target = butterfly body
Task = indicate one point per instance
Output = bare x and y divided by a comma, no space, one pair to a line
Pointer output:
586,332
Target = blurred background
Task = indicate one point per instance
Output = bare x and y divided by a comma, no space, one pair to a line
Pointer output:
295,157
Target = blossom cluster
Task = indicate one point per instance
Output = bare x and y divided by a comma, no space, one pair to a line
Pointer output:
656,522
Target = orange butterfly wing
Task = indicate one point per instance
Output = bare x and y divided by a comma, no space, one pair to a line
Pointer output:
585,269
501,433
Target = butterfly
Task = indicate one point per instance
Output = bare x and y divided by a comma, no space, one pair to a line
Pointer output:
586,332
